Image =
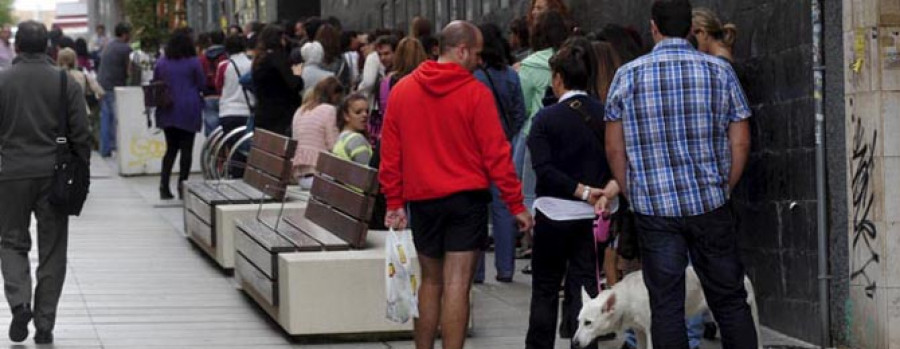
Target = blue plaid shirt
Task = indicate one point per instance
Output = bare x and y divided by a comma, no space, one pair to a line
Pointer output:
676,105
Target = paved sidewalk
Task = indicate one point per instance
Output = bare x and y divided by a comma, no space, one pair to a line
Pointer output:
134,281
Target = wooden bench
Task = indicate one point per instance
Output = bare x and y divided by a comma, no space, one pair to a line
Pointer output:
316,270
266,178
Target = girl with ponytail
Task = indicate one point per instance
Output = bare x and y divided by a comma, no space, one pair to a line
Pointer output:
712,36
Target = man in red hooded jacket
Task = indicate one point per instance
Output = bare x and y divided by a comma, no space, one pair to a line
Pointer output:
441,147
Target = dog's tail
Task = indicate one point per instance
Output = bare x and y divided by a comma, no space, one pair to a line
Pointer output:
751,301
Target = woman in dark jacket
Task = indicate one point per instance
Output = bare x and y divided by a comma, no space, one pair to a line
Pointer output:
276,83
568,155
504,83
183,75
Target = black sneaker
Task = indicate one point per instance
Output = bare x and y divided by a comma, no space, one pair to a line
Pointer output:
18,328
43,337
527,270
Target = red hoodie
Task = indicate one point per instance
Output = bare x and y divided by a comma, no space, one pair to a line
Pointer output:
442,136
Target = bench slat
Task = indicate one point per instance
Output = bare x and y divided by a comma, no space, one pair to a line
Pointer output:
253,277
342,198
348,173
265,183
256,254
249,191
206,193
233,196
278,167
194,203
274,143
199,230
344,227
303,242
329,241
265,237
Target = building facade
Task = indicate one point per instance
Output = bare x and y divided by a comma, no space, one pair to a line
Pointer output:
212,14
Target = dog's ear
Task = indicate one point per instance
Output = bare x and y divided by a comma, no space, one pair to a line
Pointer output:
610,304
585,296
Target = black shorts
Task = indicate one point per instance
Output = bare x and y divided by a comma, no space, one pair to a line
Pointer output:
455,223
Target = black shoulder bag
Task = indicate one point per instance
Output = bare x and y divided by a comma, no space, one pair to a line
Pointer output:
623,221
71,174
507,123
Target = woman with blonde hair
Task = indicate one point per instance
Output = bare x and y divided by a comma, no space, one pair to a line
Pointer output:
409,55
314,127
68,60
712,36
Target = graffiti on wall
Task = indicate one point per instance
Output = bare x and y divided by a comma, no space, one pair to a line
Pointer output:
865,233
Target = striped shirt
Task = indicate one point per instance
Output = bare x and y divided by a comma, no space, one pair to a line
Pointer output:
676,105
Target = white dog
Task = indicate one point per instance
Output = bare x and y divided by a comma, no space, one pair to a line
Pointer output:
627,306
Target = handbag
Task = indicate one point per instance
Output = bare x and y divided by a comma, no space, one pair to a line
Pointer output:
71,174
156,95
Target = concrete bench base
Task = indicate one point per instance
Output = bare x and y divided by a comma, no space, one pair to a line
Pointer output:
331,292
226,217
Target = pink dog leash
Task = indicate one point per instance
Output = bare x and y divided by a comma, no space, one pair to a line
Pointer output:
601,234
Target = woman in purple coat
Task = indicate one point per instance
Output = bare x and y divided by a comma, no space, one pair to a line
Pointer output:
181,71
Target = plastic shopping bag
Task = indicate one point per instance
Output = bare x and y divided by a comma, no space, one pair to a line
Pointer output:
401,282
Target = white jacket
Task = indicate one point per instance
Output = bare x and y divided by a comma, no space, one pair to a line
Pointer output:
233,102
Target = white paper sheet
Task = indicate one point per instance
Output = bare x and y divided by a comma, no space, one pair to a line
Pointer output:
569,210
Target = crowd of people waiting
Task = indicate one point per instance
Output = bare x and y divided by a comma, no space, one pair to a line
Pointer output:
558,93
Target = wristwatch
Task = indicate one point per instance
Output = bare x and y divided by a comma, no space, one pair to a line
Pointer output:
586,193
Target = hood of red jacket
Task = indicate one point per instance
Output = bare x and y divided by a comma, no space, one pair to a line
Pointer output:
439,79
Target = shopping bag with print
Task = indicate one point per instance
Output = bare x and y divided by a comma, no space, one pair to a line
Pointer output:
401,281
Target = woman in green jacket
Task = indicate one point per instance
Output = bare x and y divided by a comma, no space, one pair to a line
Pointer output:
548,34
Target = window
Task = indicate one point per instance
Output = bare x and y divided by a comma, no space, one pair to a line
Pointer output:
504,3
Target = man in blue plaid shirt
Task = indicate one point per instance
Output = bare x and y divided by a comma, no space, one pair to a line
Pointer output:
678,139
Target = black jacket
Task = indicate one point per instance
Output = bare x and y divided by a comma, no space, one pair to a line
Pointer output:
277,93
29,118
567,150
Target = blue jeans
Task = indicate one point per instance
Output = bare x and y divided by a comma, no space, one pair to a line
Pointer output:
108,124
711,242
695,330
505,233
522,161
210,115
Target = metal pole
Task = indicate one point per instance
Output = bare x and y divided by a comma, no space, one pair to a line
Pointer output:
821,209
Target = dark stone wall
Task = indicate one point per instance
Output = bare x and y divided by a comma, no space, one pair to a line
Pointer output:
776,200
835,152
295,9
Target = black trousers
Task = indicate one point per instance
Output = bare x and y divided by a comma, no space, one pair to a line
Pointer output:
19,200
711,241
229,123
177,141
562,249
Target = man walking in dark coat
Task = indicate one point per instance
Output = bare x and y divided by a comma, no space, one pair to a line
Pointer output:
29,114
